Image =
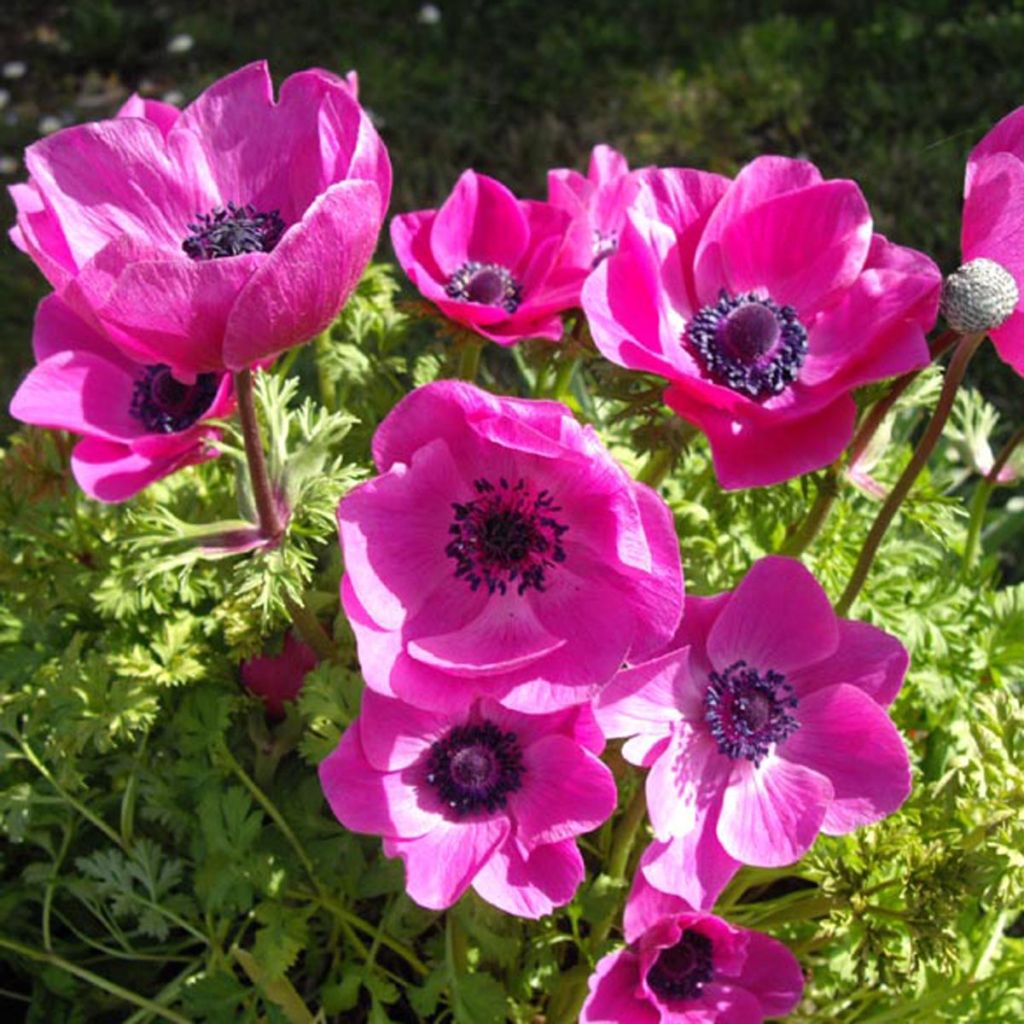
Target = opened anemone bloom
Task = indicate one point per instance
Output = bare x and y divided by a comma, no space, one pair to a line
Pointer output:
992,239
597,204
764,302
138,422
502,552
214,237
490,261
762,724
485,797
684,967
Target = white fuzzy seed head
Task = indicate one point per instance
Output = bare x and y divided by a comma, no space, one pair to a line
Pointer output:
979,296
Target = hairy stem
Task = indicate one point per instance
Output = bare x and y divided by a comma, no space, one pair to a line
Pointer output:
980,500
966,348
308,626
271,526
469,358
817,516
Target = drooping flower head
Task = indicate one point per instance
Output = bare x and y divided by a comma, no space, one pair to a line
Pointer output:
597,204
214,237
484,797
762,724
764,302
684,967
276,678
985,293
491,262
502,551
138,422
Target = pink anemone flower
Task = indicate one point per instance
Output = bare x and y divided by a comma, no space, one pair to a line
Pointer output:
138,422
762,724
485,797
502,551
764,302
214,237
489,261
993,231
596,203
276,678
686,967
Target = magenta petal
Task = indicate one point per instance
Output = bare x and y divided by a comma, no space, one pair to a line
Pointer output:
846,737
410,238
175,312
378,648
726,1004
301,286
867,657
567,791
112,472
481,220
81,392
530,886
505,636
991,219
646,905
613,993
777,618
772,814
369,801
772,975
58,328
693,866
685,782
442,864
163,115
39,234
754,453
393,734
646,699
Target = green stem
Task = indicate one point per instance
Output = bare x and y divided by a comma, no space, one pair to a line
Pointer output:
657,467
980,500
866,431
563,378
966,348
328,396
308,626
469,358
95,980
810,527
271,526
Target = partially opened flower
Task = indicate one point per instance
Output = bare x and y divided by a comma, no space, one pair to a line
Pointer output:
490,261
276,678
485,797
764,302
597,204
502,551
216,237
763,724
138,422
691,968
984,295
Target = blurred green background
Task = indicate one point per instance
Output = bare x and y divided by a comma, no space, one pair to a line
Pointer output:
891,94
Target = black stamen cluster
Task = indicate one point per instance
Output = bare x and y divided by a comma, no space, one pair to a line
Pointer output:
747,711
164,405
506,536
490,284
757,376
682,970
475,767
231,231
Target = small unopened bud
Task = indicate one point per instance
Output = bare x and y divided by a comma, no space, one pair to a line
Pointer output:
979,296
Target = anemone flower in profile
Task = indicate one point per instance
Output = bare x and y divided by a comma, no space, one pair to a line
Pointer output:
276,678
137,422
212,238
763,723
764,302
491,262
501,551
484,797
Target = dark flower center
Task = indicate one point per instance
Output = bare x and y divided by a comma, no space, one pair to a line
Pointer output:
231,231
475,767
605,243
507,535
682,970
490,284
747,711
165,405
749,344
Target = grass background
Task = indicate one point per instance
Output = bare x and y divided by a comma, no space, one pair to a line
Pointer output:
891,94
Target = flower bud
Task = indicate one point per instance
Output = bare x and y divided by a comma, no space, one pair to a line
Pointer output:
979,296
